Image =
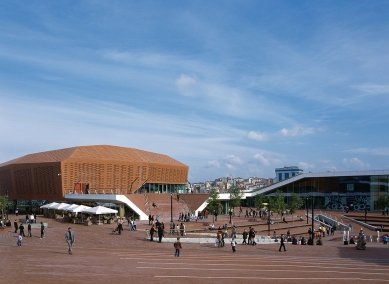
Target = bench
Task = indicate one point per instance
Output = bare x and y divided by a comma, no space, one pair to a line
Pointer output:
253,220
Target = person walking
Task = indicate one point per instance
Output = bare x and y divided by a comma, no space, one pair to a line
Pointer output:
282,243
21,229
172,227
120,226
152,230
178,247
160,233
42,230
19,242
233,244
245,234
218,239
29,230
182,229
70,239
16,226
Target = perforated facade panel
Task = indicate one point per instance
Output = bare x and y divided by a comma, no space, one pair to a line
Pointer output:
51,174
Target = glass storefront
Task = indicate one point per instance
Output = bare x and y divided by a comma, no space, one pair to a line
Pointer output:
334,193
162,188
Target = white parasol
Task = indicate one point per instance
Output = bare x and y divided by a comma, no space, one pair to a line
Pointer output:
98,210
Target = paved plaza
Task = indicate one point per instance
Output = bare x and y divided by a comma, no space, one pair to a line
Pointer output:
100,257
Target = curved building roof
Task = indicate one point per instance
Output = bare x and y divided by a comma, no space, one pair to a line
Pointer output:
98,152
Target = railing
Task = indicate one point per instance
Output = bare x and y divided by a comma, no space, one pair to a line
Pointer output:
98,191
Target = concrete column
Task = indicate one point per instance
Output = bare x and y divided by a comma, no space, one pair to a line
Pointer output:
121,209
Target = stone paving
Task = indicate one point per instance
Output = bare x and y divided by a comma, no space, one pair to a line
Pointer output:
100,257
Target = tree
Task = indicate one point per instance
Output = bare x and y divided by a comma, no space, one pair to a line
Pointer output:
295,202
258,201
236,196
213,202
3,204
277,202
383,202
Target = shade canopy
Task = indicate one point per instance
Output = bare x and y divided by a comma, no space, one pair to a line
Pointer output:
79,208
49,205
100,210
70,207
59,206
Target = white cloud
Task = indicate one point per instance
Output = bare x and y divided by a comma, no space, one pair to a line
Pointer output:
230,167
373,151
213,164
355,162
297,130
373,89
186,85
266,159
257,136
233,159
306,166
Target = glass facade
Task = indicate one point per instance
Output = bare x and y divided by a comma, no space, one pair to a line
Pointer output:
162,188
334,193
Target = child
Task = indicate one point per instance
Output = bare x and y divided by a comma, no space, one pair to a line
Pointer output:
233,244
178,247
20,238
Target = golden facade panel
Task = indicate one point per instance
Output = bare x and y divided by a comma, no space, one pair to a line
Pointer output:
49,175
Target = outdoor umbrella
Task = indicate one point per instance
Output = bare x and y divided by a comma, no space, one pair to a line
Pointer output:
70,207
59,206
98,210
48,206
79,209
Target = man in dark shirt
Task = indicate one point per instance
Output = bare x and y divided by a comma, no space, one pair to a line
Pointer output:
21,230
29,230
245,234
16,226
282,242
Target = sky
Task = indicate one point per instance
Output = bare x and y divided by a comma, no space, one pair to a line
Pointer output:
229,88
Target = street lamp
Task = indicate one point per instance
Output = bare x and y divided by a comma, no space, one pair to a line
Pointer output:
313,226
268,219
306,206
171,207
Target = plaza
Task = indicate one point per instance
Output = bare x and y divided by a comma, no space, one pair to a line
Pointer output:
100,257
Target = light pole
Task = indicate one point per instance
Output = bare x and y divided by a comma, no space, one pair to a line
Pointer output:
171,207
306,206
313,226
268,219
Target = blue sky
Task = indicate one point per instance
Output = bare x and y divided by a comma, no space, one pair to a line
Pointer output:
226,87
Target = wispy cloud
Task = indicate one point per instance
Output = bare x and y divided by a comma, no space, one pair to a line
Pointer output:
186,85
258,136
355,163
296,131
373,89
306,166
213,164
372,151
267,159
233,159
